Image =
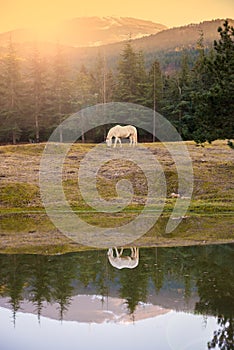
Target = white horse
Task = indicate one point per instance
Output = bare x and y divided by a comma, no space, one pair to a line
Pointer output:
121,261
122,132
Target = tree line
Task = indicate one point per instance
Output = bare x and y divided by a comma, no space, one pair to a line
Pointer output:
37,94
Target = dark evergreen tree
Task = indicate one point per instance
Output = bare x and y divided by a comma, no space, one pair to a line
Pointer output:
10,101
177,105
37,101
214,100
155,89
61,89
131,77
99,77
83,96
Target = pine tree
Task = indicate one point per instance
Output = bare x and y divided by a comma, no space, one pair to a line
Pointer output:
99,79
155,87
154,91
37,95
131,78
61,90
177,106
83,95
214,100
141,79
10,102
110,85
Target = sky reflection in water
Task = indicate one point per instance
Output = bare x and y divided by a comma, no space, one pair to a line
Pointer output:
165,332
175,299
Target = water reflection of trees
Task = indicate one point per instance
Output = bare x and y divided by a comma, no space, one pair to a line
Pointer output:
56,279
215,286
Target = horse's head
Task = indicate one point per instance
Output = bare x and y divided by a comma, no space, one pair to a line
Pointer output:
109,141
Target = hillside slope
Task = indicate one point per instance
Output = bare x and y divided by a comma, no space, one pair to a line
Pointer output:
86,31
166,45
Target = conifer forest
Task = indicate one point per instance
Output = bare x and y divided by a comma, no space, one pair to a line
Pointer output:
38,93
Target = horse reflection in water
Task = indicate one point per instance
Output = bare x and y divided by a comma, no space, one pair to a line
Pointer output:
120,261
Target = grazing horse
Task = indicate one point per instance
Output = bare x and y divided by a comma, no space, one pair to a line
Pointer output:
122,132
120,261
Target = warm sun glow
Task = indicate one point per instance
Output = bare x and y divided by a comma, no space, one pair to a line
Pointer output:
43,15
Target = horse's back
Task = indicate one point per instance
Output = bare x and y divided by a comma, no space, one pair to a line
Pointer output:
124,127
125,131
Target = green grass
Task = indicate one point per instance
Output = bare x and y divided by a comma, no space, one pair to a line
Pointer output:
25,226
34,233
18,195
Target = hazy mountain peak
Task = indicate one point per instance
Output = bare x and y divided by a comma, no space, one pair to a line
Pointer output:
88,31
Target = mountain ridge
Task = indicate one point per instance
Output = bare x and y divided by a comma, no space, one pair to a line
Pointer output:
165,46
87,31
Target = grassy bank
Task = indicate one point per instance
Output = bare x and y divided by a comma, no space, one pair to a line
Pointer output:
25,226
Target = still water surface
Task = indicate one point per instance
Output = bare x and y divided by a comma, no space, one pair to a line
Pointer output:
175,298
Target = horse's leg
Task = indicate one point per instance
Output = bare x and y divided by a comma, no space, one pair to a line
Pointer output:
135,139
116,252
115,143
135,252
120,143
131,140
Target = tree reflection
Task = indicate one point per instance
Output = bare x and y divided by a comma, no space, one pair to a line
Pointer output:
56,279
61,280
133,288
223,338
40,283
13,281
216,291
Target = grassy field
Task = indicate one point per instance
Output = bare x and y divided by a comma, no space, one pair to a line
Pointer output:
25,227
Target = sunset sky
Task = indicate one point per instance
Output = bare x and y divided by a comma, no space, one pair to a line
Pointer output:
29,13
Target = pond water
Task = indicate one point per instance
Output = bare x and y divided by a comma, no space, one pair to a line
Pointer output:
173,298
